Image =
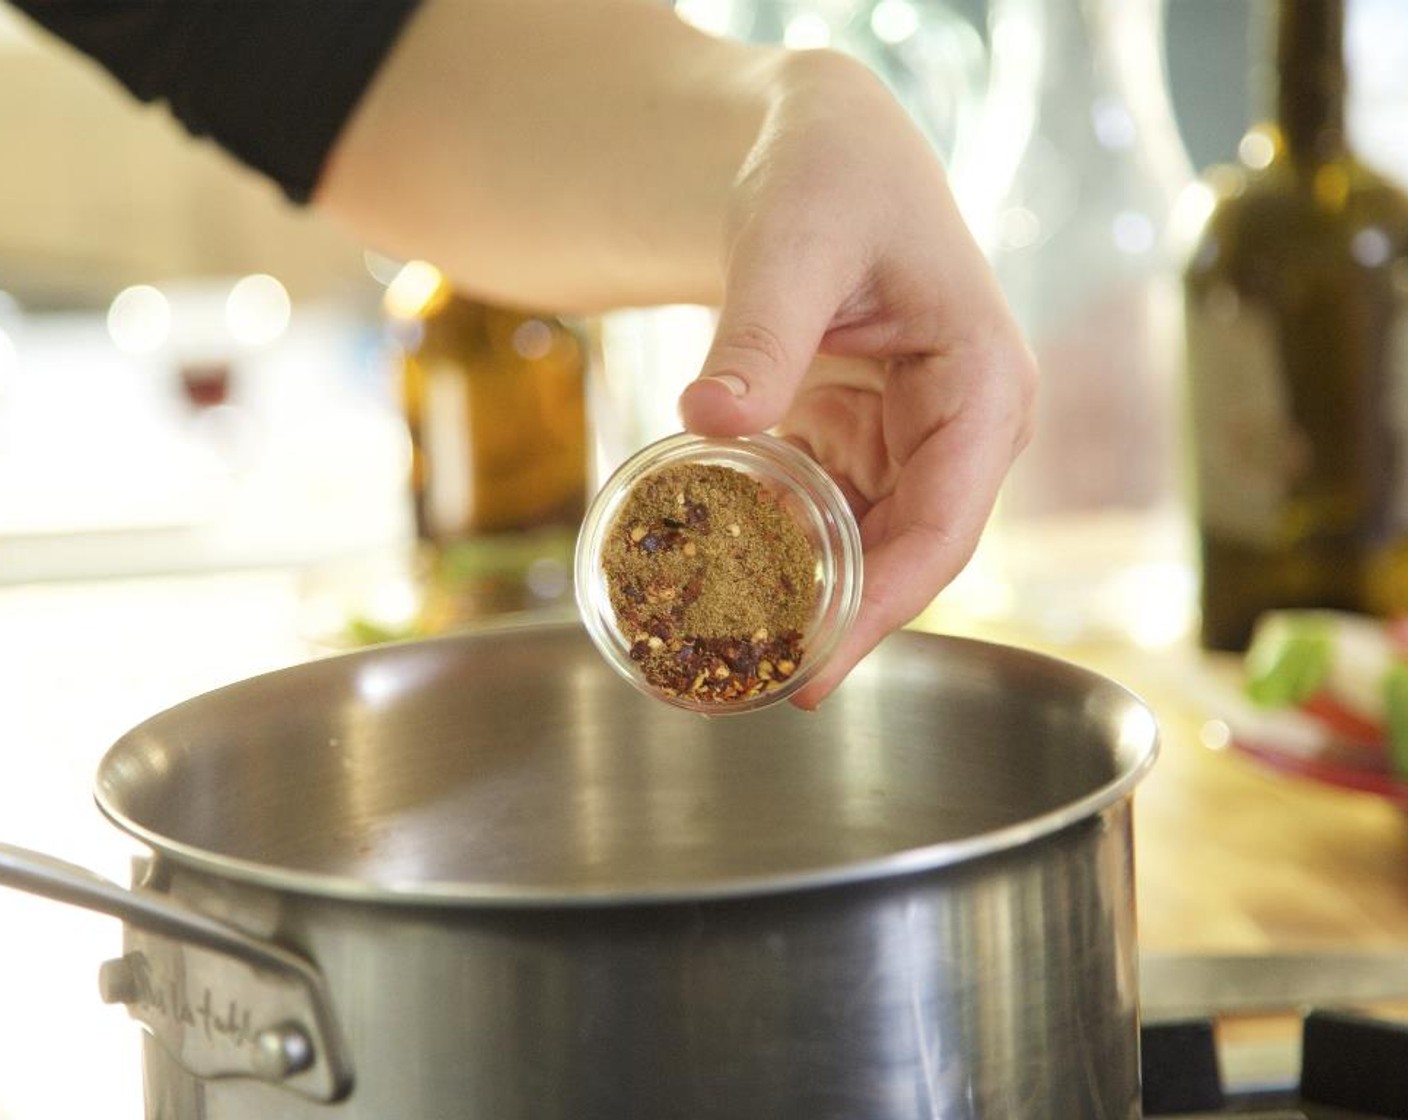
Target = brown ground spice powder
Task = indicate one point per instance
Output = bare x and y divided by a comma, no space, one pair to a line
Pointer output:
712,582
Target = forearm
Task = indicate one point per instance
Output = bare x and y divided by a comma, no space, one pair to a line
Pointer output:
606,125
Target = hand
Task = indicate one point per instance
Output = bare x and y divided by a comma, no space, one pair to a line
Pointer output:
604,154
861,321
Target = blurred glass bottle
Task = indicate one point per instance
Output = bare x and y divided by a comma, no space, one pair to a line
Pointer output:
1297,331
1083,171
928,52
495,404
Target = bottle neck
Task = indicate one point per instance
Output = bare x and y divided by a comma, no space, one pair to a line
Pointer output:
1310,79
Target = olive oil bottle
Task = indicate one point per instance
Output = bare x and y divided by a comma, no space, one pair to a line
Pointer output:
1296,302
494,400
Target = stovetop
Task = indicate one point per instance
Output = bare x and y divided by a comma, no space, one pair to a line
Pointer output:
1353,1066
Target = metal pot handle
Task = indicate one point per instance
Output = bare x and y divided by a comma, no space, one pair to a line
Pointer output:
224,1003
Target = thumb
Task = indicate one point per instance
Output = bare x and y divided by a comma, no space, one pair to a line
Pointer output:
768,332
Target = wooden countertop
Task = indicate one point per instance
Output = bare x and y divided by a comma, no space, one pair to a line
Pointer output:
1231,855
1234,855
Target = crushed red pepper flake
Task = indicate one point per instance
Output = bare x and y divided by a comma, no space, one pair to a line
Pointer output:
712,582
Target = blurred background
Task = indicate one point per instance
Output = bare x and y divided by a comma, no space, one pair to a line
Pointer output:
196,375
284,443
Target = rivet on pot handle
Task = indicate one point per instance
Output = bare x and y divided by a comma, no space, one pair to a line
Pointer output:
224,1003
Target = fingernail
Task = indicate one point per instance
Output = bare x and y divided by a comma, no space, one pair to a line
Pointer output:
732,382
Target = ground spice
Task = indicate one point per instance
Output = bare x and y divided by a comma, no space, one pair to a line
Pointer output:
712,582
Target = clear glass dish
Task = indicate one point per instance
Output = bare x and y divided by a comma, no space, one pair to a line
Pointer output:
755,664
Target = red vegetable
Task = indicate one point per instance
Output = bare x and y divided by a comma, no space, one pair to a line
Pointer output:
1349,726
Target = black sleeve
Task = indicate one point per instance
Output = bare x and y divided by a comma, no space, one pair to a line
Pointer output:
270,81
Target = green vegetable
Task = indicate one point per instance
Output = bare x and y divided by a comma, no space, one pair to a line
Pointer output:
1288,662
1396,702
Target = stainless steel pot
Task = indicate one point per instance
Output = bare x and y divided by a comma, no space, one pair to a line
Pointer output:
482,878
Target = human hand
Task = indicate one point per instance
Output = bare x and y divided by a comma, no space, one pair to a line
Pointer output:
788,188
861,321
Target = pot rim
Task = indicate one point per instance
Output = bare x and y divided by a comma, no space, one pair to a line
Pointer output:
1138,749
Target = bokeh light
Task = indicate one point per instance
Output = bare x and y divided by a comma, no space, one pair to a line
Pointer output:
894,21
258,310
139,320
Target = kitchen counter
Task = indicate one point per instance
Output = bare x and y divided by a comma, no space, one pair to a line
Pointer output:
1234,856
1230,856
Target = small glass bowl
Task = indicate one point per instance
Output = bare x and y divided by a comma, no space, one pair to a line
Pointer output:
803,489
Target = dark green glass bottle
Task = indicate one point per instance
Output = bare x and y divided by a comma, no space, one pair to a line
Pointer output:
1297,332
